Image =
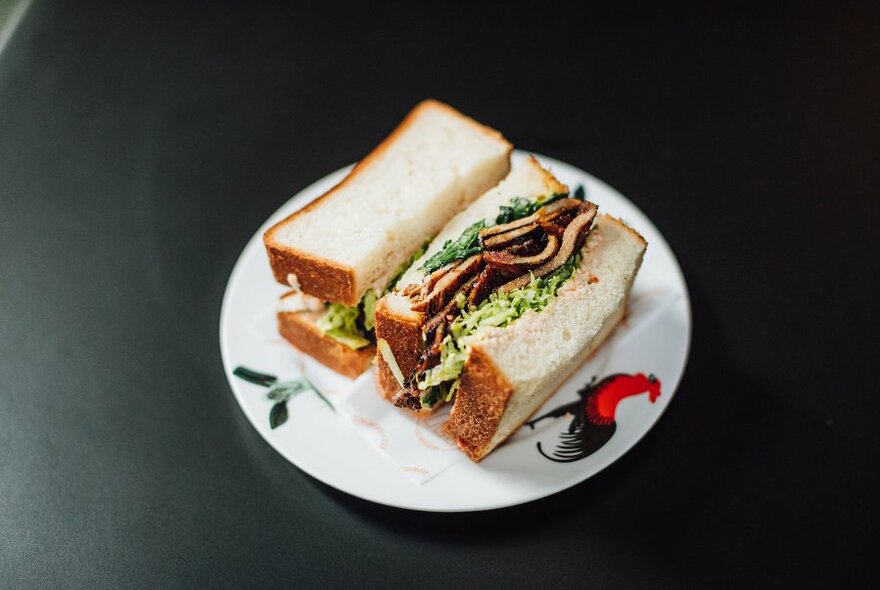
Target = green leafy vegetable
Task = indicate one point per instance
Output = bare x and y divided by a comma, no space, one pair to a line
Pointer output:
434,394
496,311
520,207
467,244
579,193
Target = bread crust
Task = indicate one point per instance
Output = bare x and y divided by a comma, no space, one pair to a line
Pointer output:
484,391
479,405
404,336
474,392
622,225
326,279
300,329
552,183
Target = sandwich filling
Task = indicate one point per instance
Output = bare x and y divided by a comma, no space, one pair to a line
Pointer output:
353,325
488,277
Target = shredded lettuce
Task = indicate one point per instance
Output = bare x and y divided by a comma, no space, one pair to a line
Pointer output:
341,323
496,311
353,325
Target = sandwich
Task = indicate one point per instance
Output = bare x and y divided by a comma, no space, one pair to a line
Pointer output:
507,301
344,250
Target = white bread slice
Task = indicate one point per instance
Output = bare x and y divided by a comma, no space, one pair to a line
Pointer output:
300,328
357,234
402,327
512,371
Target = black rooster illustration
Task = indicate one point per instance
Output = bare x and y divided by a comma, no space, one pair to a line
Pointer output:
593,424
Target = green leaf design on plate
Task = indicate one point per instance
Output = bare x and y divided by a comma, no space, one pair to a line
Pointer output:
254,377
278,415
281,392
319,394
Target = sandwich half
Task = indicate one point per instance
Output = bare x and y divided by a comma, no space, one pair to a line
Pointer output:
495,323
341,252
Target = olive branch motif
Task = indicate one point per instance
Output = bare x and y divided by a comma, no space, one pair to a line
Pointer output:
279,392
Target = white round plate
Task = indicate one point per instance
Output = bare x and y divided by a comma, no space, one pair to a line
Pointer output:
653,338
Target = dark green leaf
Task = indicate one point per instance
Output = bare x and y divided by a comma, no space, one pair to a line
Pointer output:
579,193
433,395
517,209
467,244
278,415
254,377
520,207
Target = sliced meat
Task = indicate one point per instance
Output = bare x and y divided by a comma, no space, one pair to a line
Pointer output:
487,281
571,240
408,397
527,248
436,328
557,208
545,213
506,227
441,317
446,287
503,239
551,228
524,262
424,288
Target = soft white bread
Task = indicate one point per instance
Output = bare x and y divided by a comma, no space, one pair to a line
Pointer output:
512,371
357,234
402,327
300,328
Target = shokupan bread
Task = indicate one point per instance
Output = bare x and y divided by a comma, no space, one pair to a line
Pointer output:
511,371
356,235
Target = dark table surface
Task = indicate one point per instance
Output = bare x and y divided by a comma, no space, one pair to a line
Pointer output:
141,147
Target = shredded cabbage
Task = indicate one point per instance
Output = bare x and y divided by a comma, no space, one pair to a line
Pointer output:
353,325
496,311
340,323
